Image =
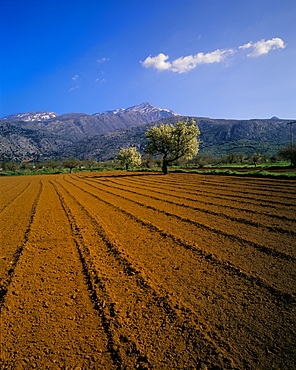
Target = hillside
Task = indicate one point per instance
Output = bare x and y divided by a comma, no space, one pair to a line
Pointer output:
17,143
78,126
218,137
31,116
102,135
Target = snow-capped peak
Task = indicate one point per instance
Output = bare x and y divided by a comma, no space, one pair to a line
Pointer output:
31,116
144,108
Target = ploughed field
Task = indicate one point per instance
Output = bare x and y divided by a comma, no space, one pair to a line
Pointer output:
121,270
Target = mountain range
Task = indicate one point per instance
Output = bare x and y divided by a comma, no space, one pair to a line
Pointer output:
45,134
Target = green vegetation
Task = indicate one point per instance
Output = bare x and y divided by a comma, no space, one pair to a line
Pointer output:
129,158
246,146
289,154
71,163
173,141
257,173
52,167
280,165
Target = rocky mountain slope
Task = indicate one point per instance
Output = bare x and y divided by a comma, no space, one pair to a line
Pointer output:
100,136
218,137
17,143
78,126
31,116
145,112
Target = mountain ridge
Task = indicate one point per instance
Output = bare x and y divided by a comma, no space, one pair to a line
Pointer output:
142,108
78,126
218,137
31,116
101,136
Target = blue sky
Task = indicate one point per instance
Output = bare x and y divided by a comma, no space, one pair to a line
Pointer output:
206,58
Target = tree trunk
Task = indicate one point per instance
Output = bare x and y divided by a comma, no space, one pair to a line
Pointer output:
164,167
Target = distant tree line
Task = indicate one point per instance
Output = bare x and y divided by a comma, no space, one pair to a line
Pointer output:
148,161
55,165
167,145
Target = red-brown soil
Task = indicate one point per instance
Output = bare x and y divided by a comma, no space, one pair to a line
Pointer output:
122,270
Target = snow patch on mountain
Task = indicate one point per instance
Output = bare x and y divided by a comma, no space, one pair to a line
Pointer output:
144,108
31,116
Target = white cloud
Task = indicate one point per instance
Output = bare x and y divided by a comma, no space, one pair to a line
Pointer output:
158,62
74,88
102,60
74,78
185,64
246,46
263,47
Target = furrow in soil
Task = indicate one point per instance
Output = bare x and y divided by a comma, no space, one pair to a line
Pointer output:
252,219
229,196
141,311
15,229
48,320
191,229
158,259
7,199
122,270
200,200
